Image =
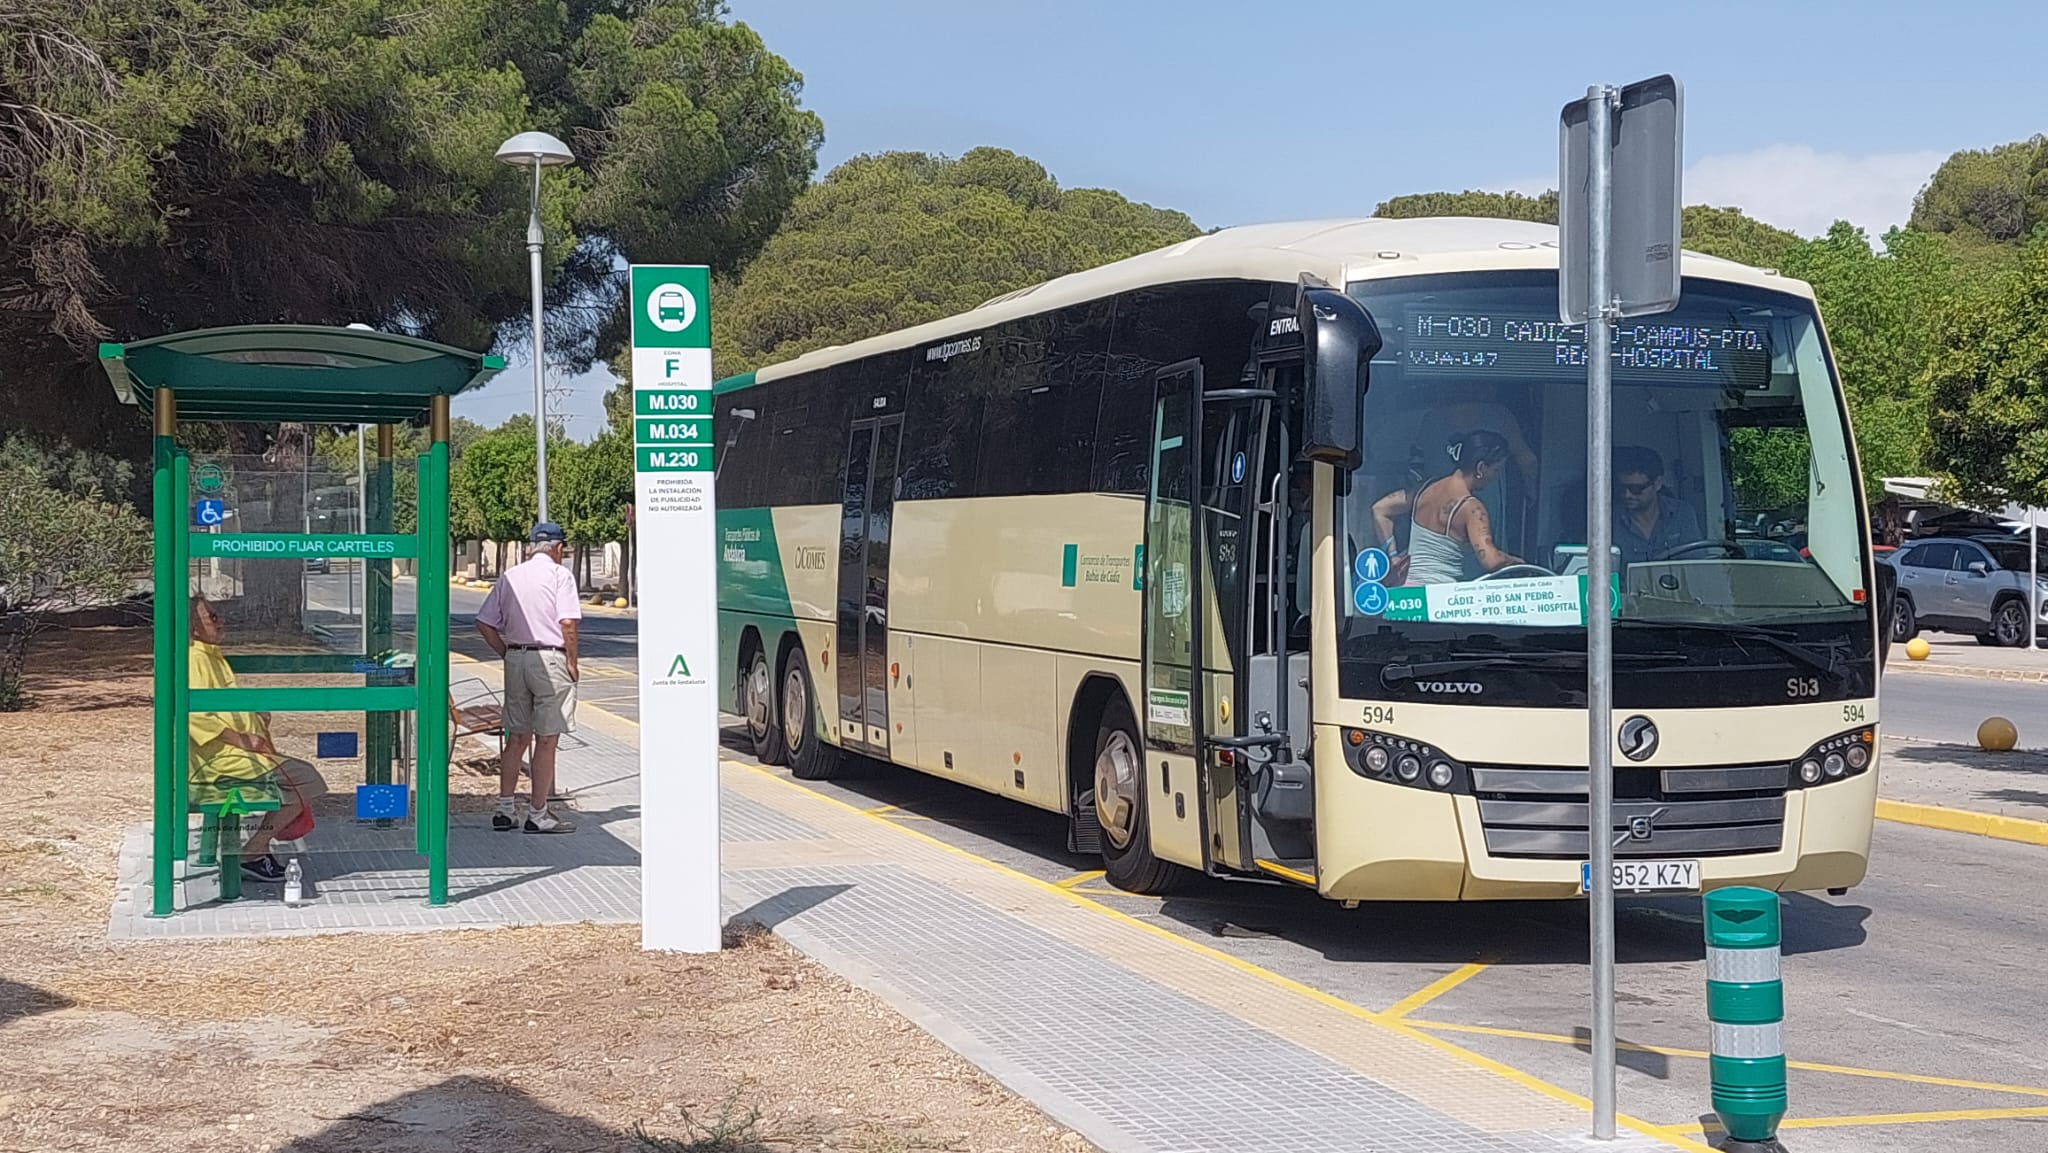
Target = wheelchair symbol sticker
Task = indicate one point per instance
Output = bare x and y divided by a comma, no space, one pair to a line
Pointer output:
1370,598
209,512
1370,565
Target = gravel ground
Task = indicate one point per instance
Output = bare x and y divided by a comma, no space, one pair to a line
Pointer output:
524,1039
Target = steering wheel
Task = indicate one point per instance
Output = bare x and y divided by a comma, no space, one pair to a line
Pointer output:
1728,549
1508,572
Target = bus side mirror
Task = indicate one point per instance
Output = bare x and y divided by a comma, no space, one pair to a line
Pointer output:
1887,596
1338,342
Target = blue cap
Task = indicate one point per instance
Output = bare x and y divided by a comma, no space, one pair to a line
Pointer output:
547,531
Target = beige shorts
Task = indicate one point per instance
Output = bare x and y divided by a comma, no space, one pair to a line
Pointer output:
539,696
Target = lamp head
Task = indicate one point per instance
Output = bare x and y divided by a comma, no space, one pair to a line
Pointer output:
534,148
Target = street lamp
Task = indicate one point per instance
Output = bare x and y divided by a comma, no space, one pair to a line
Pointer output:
537,150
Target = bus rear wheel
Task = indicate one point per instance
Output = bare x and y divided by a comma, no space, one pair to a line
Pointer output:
757,701
1120,805
810,758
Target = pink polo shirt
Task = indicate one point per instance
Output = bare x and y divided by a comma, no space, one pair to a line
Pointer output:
530,602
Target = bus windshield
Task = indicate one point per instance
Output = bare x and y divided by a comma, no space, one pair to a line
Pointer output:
1736,506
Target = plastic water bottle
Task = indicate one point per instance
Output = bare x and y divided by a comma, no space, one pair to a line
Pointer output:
294,883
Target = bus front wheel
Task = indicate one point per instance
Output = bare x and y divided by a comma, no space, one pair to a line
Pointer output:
1120,805
810,758
757,701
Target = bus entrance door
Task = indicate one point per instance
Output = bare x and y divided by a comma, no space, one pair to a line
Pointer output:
866,504
1207,455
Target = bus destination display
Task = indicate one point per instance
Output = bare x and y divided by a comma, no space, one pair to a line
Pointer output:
1533,346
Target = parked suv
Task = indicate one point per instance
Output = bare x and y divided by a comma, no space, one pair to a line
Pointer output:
1976,585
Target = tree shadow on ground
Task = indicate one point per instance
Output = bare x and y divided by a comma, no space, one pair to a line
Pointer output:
2031,761
18,1001
463,1114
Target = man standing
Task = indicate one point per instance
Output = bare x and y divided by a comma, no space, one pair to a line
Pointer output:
530,620
1648,522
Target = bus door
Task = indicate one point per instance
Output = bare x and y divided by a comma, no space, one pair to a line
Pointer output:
1208,458
866,503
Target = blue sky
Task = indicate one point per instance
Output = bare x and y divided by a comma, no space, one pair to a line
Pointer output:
1799,111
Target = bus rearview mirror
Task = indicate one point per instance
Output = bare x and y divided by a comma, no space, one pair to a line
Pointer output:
1338,341
1887,595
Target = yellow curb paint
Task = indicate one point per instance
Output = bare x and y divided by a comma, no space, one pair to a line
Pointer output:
1081,879
1508,1072
1964,821
1698,1055
1862,1119
1402,1028
1433,990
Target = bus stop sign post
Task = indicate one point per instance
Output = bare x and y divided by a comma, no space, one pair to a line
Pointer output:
1618,213
675,529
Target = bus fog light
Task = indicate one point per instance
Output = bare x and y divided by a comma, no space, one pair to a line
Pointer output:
1809,771
1376,759
1440,775
1858,756
1409,768
1835,766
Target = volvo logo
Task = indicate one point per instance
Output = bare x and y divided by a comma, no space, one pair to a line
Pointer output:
1450,687
1638,738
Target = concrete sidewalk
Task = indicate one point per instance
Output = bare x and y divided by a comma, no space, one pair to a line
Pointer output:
1957,656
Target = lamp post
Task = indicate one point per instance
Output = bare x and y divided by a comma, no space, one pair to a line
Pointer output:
537,150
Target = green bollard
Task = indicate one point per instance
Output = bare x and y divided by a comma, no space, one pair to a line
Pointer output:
1745,1014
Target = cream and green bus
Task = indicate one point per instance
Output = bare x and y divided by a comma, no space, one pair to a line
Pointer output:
1170,547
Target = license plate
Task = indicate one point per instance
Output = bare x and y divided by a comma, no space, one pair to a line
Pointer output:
1647,877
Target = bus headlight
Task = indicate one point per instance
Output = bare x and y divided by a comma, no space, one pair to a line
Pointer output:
1393,760
1837,758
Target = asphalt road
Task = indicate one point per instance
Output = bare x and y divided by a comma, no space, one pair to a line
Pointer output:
1945,709
1927,973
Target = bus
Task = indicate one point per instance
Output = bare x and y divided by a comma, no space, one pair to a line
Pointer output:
1163,547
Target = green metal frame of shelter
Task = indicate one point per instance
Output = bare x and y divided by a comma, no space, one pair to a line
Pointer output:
314,375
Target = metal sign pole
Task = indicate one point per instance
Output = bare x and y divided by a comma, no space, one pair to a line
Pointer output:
1600,602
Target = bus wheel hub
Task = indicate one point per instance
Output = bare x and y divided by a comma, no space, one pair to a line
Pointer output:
1116,788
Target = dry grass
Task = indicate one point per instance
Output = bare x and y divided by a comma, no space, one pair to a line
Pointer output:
527,1039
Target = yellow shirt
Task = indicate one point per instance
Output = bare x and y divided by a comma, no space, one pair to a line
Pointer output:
213,758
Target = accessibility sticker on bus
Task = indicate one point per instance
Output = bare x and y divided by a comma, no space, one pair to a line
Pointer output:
1532,602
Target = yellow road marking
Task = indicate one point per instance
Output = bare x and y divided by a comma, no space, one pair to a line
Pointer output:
1963,821
1699,1055
1115,893
1433,990
1402,1028
877,811
1890,1119
1081,878
1283,871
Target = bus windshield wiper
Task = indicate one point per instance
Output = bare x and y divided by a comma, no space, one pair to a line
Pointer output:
1465,664
1822,662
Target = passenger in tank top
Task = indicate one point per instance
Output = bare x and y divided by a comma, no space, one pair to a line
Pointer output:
1449,533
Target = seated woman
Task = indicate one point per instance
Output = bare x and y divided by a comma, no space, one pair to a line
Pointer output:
230,749
1448,530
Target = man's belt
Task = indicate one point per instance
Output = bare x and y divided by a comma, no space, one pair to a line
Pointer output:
537,648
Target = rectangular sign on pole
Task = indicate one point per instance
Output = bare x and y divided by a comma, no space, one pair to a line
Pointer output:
674,522
1618,213
1646,159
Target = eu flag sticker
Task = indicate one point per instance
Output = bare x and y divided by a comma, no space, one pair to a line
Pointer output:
381,802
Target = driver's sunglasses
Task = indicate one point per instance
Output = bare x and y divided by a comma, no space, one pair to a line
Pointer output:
1637,489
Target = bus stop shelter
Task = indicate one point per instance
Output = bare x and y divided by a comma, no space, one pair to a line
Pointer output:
313,375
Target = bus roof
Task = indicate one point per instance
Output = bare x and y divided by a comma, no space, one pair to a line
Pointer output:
1339,251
